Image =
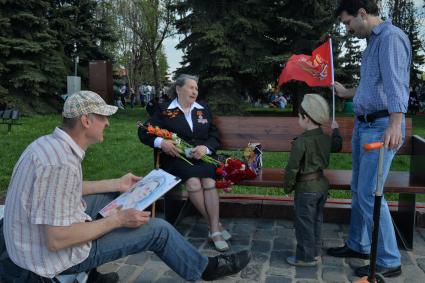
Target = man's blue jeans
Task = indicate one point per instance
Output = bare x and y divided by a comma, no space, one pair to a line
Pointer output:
363,186
157,236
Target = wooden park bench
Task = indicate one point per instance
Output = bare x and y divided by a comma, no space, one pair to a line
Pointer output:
9,117
276,134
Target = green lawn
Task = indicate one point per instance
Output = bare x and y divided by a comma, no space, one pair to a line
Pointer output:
122,152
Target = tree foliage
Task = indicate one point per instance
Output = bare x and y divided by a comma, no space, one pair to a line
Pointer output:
238,47
144,25
83,31
37,40
30,54
403,14
348,55
225,45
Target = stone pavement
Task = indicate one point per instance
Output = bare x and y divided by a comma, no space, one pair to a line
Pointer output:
270,242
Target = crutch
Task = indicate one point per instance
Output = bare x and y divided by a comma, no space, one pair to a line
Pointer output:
373,276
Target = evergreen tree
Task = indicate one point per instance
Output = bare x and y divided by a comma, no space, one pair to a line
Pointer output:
225,44
404,16
347,65
206,49
296,28
30,60
83,31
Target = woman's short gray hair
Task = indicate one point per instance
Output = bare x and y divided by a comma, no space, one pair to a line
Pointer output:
180,81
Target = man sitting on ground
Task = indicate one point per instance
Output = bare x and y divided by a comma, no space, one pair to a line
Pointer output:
51,221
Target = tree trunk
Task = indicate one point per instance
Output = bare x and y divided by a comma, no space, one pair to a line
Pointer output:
156,75
297,97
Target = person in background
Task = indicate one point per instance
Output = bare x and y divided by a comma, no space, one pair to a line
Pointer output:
116,88
132,97
281,101
141,90
51,220
193,122
380,103
309,156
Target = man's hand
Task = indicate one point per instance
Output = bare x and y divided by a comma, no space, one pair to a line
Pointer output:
343,92
334,125
393,136
132,218
199,151
169,147
127,181
122,184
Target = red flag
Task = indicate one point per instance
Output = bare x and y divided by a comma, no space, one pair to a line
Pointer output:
315,70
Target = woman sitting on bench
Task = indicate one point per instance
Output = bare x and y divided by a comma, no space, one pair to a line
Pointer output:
191,121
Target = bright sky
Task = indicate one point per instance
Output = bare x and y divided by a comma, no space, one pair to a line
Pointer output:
174,55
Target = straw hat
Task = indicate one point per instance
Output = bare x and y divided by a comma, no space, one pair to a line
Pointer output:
316,107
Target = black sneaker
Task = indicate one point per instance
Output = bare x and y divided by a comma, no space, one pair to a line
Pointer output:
384,271
346,252
228,264
96,277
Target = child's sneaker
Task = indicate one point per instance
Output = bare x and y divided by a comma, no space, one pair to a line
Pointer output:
292,260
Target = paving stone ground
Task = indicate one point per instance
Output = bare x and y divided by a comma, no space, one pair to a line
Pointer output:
270,242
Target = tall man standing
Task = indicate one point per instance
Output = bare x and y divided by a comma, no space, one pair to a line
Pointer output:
380,102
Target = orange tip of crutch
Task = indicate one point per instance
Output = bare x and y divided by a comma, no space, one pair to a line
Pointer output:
373,145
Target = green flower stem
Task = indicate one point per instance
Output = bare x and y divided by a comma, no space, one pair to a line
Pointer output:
180,156
206,158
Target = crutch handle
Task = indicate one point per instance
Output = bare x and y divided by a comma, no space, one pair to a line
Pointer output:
373,145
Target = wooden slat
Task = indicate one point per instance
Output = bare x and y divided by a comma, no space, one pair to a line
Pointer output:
397,181
276,133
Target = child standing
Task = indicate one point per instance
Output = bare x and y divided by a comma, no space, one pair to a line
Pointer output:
304,174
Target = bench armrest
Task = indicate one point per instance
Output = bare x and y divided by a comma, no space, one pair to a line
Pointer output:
417,161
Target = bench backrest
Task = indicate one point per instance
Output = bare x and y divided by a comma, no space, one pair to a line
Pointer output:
9,114
276,133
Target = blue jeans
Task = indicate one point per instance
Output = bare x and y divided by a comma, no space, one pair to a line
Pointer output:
157,236
363,186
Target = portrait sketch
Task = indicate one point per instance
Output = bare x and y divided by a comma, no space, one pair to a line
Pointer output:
144,192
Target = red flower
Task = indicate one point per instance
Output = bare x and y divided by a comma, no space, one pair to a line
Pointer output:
233,171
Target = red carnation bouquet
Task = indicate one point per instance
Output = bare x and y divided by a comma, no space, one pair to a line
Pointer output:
232,171
228,173
182,145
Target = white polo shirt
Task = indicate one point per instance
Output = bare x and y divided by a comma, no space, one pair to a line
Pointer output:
45,188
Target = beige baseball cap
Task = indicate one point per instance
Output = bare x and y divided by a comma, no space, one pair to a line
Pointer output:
316,107
86,102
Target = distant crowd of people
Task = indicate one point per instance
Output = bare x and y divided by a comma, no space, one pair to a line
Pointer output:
143,95
270,99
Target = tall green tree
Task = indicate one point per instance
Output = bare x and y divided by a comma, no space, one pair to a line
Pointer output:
239,46
38,42
347,64
83,31
403,15
30,53
143,27
296,27
224,44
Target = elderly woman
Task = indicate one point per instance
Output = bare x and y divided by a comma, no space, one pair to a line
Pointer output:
193,122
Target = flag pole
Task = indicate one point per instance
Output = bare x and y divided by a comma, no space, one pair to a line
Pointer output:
333,78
